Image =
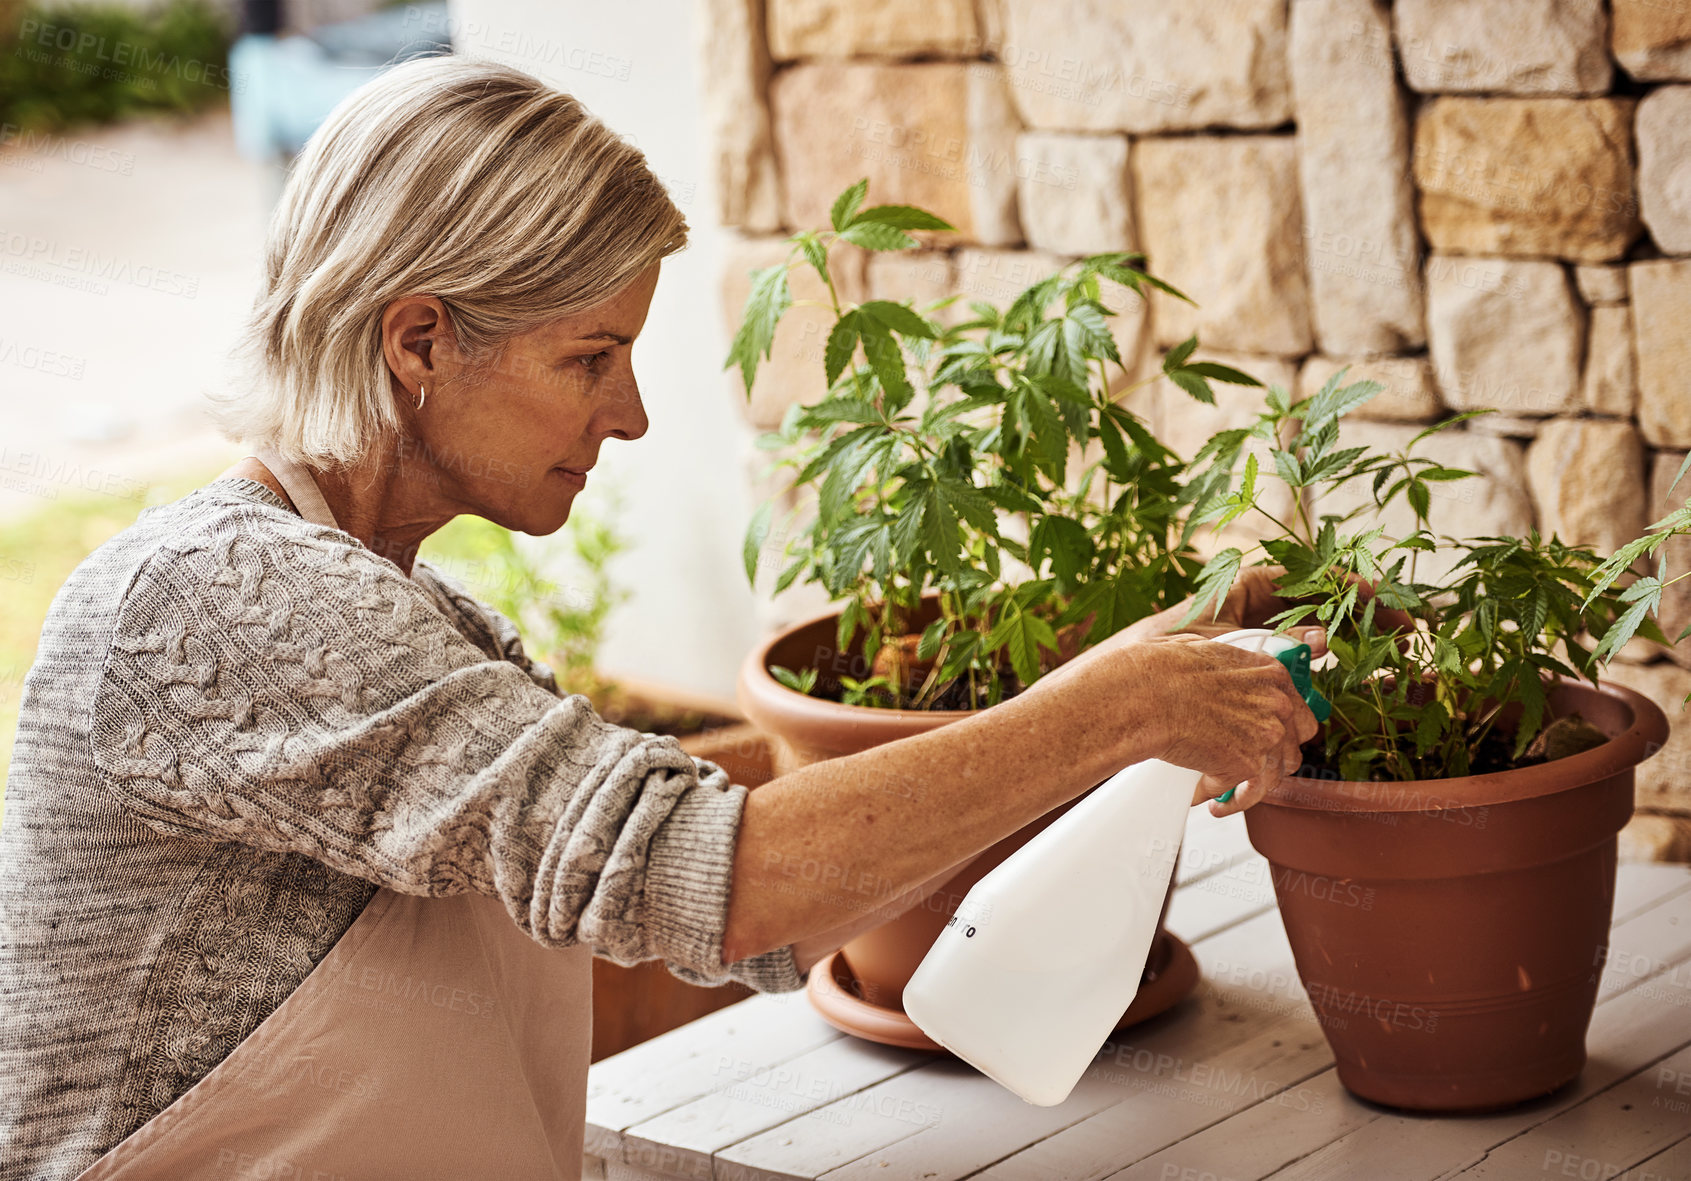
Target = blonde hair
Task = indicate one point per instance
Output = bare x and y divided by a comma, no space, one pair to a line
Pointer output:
469,181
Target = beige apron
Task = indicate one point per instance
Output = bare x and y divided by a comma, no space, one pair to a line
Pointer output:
435,1039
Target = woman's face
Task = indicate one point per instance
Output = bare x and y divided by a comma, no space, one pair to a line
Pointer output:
512,439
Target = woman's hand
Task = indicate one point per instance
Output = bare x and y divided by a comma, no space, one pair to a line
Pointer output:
1228,712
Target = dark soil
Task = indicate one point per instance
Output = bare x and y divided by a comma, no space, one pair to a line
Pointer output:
1493,755
953,696
1560,738
622,708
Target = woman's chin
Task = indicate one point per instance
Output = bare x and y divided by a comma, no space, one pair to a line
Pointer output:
537,515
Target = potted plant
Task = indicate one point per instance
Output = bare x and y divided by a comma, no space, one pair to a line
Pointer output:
1445,861
970,547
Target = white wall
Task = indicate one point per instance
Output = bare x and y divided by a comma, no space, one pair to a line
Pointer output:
634,64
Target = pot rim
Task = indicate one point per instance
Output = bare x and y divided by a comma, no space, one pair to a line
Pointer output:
788,712
1646,735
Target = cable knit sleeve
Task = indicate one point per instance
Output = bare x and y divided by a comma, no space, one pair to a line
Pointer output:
295,693
501,634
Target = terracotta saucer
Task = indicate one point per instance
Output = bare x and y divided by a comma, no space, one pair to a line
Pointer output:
1172,972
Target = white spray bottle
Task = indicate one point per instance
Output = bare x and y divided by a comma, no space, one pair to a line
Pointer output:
1041,959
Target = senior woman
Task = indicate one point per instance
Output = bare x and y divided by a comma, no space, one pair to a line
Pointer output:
304,858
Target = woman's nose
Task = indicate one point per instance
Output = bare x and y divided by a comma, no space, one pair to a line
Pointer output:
624,412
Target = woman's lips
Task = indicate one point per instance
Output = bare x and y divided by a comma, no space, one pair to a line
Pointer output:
573,475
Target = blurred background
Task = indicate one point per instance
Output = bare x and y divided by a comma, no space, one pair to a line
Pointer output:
141,148
1481,203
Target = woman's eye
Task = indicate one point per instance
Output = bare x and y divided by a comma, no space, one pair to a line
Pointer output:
591,361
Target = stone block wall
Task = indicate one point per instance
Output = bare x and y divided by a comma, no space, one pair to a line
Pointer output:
1485,204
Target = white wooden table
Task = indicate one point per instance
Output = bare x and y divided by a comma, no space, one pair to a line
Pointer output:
1235,1084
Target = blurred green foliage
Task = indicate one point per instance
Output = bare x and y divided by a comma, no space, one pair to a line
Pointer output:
65,65
562,624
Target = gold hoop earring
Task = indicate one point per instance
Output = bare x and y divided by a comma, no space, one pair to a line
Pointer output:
422,394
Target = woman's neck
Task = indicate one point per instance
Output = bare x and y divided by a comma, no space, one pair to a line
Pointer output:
387,506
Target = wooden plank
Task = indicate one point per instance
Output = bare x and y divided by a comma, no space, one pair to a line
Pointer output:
949,1094
1249,984
686,1065
880,1116
668,1097
1260,1139
1149,1069
1211,904
1211,845
1648,951
1672,1165
1641,885
1251,966
761,1097
981,1122
617,1171
1624,1125
1184,1083
1629,1030
871,1119
694,1060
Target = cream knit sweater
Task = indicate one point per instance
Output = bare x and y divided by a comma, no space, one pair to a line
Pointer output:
238,726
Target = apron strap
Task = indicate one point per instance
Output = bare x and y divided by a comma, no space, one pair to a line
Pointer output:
300,484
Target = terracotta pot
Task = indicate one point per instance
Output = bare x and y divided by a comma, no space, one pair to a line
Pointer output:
808,729
1451,932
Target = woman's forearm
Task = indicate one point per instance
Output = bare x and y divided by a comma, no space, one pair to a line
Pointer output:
846,844
812,950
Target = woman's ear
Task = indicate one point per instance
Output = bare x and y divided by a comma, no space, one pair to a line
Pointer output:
412,328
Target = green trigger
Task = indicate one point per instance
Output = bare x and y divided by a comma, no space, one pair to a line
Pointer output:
1296,660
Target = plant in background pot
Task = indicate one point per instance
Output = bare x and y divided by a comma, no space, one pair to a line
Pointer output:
956,515
1445,861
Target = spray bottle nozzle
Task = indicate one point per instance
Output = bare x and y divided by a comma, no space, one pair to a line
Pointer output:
1296,659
